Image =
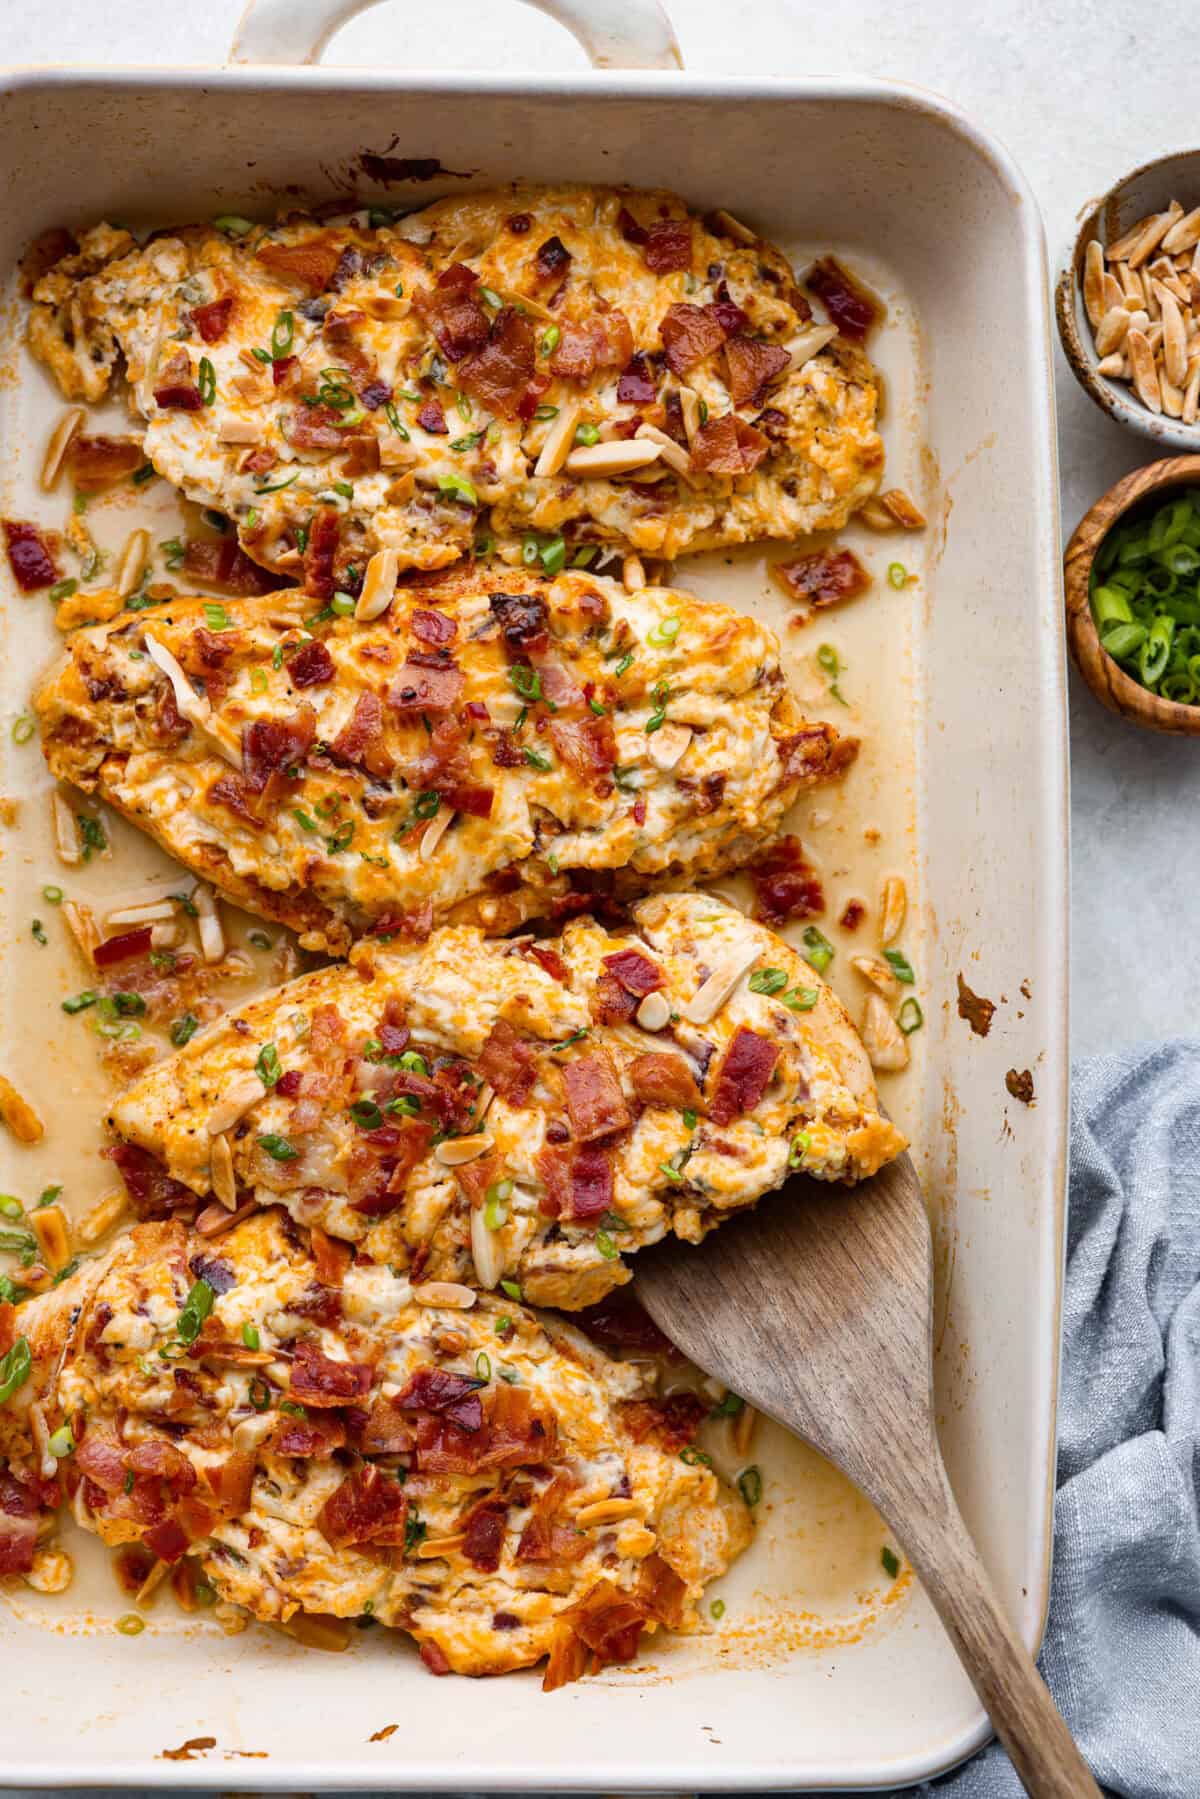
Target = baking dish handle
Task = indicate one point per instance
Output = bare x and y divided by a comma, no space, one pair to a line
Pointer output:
616,34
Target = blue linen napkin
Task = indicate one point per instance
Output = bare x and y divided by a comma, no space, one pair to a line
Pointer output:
1122,1649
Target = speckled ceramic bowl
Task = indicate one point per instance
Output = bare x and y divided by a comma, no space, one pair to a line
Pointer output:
1148,189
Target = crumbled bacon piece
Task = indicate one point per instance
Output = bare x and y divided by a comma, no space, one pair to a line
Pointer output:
281,371
433,628
815,753
272,744
744,1074
483,1534
314,428
668,246
368,1507
311,666
618,1322
455,315
588,745
595,1102
153,1193
507,1063
689,334
553,259
670,1423
95,463
785,884
29,556
853,913
591,1184
524,622
605,1626
551,961
317,1380
728,446
440,1390
822,578
320,553
498,374
20,1517
636,386
850,307
431,418
212,321
443,767
752,367
434,1657
605,341
417,689
660,1078
635,972
310,264
123,948
611,1003
225,564
360,740
386,1430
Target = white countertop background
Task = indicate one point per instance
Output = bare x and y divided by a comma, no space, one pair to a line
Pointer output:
1077,94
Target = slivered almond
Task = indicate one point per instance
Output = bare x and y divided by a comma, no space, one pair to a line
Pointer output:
1191,397
385,306
604,460
883,1040
54,1239
1093,282
66,832
1156,229
877,971
744,1425
668,745
1110,332
241,1093
444,1293
906,514
147,914
239,431
317,1630
379,585
220,1172
214,1220
608,1511
483,1100
457,1150
654,1012
633,574
893,909
435,830
434,1548
807,344
132,565
152,1582
708,999
18,1114
1172,397
689,402
559,439
396,451
1115,367
212,937
672,454
106,1213
731,227
82,925
56,450
1153,309
1184,233
487,1252
1174,342
1131,283
192,706
1145,374
1114,293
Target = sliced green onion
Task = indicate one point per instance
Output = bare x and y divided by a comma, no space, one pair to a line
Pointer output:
554,555
536,759
79,1002
11,1206
897,574
818,950
62,590
267,1066
545,413
129,1624
207,381
282,333
802,999
512,1289
664,632
196,1308
768,980
495,1204
483,1365
459,487
366,1113
695,1458
23,729
491,298
413,1062
530,551
277,1147
343,604
233,224
216,617
551,337
526,681
750,1484
890,1561
900,966
800,1145
587,434
717,1609
61,1443
606,1246
910,1017
250,1336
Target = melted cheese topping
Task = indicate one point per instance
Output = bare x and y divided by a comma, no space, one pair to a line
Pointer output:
411,455
108,1355
670,1166
685,696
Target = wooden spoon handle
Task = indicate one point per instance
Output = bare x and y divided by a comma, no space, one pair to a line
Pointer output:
1003,1672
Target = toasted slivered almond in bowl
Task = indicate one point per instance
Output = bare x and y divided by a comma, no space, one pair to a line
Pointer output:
1128,301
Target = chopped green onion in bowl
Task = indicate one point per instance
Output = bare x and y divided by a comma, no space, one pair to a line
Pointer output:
1144,590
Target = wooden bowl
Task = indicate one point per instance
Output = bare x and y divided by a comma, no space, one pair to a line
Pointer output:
1147,189
1106,678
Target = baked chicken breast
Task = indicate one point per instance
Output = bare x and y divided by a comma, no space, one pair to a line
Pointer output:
518,1115
320,1435
585,361
485,750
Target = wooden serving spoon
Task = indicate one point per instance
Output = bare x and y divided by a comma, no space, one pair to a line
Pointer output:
817,1308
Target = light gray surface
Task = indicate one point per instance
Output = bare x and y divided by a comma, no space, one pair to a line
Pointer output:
1067,86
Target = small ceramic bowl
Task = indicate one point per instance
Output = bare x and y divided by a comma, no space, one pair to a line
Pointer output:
1106,678
1148,189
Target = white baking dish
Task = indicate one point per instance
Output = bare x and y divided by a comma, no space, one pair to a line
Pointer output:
935,213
